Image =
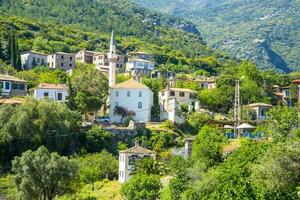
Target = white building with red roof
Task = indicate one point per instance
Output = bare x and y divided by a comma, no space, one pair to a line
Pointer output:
55,92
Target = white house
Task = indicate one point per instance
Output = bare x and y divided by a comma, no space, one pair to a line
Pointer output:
132,96
11,86
55,92
139,67
30,59
128,159
260,109
170,101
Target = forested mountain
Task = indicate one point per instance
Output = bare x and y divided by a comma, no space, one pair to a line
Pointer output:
72,25
266,31
126,18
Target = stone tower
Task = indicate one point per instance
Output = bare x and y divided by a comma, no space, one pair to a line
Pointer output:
112,57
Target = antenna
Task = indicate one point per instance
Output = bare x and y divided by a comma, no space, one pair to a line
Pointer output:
237,106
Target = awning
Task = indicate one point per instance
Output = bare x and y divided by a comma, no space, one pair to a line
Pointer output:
245,126
228,127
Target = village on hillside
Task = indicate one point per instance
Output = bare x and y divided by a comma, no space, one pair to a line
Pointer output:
173,104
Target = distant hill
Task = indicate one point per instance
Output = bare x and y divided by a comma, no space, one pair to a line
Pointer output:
267,31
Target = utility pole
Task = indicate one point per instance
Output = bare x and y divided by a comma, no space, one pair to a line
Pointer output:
237,106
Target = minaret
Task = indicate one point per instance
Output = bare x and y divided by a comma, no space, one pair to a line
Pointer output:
112,58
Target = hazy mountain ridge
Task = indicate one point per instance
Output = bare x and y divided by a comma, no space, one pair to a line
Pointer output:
244,27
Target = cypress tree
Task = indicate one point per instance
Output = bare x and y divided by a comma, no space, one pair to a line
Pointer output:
14,56
2,55
18,64
71,103
12,52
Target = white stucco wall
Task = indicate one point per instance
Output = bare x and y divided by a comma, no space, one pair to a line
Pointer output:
131,103
53,94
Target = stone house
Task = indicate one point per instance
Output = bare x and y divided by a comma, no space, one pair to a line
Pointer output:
60,60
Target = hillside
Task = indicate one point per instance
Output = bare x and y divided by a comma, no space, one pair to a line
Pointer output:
81,24
125,18
265,31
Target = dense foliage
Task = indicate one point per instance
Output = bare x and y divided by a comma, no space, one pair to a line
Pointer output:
36,123
42,175
142,187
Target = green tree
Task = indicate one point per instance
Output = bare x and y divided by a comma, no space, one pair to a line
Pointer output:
34,123
71,103
96,167
276,175
98,139
208,146
42,175
230,179
91,88
196,121
142,186
149,166
13,50
2,54
179,169
281,120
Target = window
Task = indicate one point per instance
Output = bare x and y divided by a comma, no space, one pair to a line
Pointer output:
59,96
15,86
181,94
21,87
172,93
192,96
140,94
38,60
71,58
62,57
117,93
62,64
128,93
263,113
46,94
70,65
7,85
140,105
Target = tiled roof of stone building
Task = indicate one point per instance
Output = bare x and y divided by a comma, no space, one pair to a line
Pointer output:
52,86
130,84
138,150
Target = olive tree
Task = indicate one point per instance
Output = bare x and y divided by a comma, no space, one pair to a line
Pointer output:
41,174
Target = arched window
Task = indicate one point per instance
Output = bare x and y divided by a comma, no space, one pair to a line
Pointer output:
128,93
140,105
140,94
117,93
